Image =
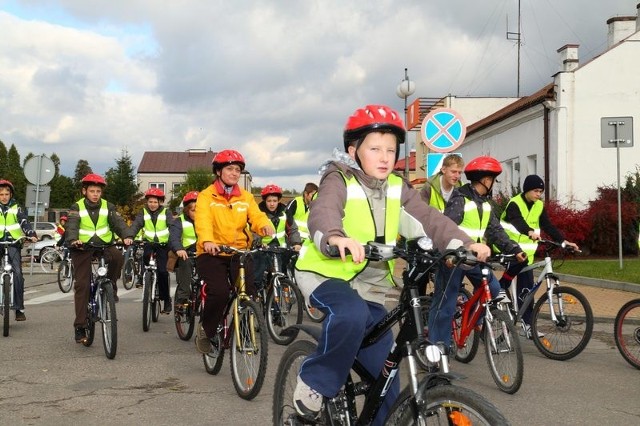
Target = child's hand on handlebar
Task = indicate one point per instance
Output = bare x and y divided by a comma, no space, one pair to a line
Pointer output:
482,251
521,257
211,247
355,248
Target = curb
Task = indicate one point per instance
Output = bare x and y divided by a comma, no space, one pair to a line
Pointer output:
594,282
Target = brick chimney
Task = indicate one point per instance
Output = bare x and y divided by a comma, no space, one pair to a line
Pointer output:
620,27
568,57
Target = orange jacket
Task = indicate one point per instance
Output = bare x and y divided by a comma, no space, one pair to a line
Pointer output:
225,221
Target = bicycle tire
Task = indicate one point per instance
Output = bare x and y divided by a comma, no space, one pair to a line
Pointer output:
249,358
444,404
49,259
65,276
569,337
108,318
626,331
283,308
213,360
128,273
467,352
184,318
146,301
6,304
286,380
314,314
155,305
506,365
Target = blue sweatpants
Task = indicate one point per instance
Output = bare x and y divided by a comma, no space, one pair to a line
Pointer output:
348,318
443,304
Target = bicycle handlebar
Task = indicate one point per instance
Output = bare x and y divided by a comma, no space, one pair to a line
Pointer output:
561,245
14,242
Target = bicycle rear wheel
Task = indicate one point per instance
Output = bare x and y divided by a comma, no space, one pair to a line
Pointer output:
627,332
249,350
108,319
50,259
314,314
155,302
468,351
568,336
65,276
6,304
128,273
444,404
213,360
184,317
146,301
286,380
504,354
283,308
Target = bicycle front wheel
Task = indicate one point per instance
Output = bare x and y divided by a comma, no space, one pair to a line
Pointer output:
468,350
184,317
284,308
146,301
249,347
504,353
50,258
108,319
444,404
569,334
128,273
286,381
314,314
213,360
155,301
65,276
627,332
6,304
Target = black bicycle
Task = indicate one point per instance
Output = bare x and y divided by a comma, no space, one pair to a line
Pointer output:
132,261
431,400
102,305
185,315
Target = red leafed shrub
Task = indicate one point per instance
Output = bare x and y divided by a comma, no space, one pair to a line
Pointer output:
572,223
602,217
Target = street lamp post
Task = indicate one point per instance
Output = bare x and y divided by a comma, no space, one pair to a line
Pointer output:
404,90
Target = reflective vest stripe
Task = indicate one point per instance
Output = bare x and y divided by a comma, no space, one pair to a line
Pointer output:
159,230
280,232
301,215
88,229
9,222
471,222
188,232
531,217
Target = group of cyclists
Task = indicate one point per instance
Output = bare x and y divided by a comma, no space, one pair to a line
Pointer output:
359,199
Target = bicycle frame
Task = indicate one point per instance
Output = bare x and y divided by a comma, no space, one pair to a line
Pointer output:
7,269
100,272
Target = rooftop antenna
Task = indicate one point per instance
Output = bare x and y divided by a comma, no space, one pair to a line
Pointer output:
516,36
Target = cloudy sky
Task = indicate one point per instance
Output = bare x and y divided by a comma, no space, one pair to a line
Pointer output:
274,79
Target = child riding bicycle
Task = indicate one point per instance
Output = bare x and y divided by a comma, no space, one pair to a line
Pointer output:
360,200
182,240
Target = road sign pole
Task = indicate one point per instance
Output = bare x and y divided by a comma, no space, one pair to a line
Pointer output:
617,141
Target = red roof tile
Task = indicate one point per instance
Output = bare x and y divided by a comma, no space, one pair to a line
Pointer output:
174,162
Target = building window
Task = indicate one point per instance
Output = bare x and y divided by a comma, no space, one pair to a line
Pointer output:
157,185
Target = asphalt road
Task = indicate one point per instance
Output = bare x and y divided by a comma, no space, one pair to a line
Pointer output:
48,379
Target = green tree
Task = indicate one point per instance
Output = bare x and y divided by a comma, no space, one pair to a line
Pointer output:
3,160
63,192
82,169
121,188
15,174
197,179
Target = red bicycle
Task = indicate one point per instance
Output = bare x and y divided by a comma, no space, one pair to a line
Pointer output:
501,342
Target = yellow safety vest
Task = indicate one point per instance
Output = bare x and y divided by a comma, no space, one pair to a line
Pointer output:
301,216
160,229
9,222
471,223
358,224
532,217
188,232
88,229
280,232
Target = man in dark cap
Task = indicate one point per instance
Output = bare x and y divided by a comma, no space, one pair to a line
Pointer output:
523,218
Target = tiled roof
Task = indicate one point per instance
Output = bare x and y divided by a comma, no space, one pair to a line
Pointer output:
174,162
399,166
546,93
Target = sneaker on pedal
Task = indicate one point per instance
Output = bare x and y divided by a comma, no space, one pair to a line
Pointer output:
203,344
20,315
80,334
502,297
139,283
527,332
307,401
167,307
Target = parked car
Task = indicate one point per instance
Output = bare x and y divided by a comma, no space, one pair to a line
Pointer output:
46,230
37,247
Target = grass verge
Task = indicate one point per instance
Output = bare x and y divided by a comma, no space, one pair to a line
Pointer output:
606,269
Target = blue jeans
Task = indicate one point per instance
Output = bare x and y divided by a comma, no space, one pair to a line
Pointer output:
348,319
443,304
15,258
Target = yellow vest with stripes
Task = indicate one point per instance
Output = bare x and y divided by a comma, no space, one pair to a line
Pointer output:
280,232
160,229
188,232
358,224
301,216
532,217
9,222
88,229
471,222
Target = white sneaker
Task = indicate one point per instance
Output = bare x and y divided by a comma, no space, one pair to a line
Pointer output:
527,331
502,297
307,401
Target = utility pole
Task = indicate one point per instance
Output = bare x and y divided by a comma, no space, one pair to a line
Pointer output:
517,37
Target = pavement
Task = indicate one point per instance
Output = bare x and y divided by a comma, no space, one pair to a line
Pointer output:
606,297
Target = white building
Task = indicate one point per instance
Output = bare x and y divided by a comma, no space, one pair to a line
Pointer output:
556,132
